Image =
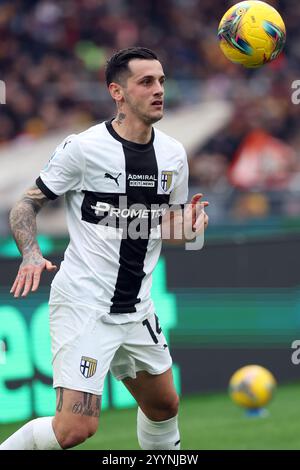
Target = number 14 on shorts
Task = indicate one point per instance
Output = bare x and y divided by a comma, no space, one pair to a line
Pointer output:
158,330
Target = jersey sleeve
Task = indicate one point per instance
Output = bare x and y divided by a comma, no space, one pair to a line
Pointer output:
179,194
64,171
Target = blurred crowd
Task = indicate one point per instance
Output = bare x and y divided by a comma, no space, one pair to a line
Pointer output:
52,60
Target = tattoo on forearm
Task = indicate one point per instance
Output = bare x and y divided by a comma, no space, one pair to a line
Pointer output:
85,407
120,118
60,400
22,220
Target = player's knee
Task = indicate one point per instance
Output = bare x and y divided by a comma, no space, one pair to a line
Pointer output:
171,407
175,406
165,409
72,436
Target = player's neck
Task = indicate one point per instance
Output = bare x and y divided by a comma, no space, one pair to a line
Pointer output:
132,130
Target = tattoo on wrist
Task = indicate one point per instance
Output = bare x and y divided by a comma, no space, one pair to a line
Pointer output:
32,255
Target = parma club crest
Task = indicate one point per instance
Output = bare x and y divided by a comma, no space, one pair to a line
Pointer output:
166,180
88,366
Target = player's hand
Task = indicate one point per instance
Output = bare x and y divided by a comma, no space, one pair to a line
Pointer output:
29,275
200,218
195,217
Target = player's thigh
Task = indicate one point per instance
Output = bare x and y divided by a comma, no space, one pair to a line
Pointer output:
83,346
144,349
76,413
155,394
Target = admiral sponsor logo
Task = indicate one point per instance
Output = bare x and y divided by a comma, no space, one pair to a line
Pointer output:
146,181
144,184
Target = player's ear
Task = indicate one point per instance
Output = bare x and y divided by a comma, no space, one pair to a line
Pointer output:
116,91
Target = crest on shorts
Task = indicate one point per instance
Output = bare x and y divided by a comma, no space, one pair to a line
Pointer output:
166,180
88,366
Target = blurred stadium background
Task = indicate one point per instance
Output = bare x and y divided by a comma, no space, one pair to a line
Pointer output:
235,302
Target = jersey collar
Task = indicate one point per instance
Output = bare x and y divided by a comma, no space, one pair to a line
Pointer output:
128,143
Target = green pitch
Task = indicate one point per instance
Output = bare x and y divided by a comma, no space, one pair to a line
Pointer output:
207,422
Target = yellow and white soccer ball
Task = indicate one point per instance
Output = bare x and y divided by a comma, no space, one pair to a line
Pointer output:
252,33
252,386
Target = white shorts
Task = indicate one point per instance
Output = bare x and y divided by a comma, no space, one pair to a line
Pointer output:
84,347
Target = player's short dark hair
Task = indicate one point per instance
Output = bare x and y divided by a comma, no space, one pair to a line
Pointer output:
117,65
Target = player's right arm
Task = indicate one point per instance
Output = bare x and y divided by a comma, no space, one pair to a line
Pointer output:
64,172
22,220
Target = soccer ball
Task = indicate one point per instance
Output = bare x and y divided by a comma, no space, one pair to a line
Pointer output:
251,33
252,386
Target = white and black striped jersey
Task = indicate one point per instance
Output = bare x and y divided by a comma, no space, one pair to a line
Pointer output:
111,184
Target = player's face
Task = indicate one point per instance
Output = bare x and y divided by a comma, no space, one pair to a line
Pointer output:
144,91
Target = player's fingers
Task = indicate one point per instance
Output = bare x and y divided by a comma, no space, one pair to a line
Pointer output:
196,198
28,283
36,280
198,209
197,205
199,226
20,283
200,222
14,284
200,206
206,219
188,213
49,266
